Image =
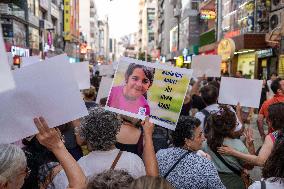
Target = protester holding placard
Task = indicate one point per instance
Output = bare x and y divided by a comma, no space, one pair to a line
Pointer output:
132,96
209,95
99,130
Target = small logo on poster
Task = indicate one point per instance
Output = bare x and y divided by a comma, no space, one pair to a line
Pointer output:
142,111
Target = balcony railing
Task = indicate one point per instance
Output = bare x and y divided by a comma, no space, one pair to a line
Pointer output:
12,9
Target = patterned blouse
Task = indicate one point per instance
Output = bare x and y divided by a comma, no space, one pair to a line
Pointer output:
192,172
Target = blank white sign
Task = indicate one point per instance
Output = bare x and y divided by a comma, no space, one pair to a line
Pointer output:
210,65
245,91
6,77
82,74
49,90
104,89
27,61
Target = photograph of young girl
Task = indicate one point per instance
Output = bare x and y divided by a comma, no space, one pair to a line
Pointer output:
131,94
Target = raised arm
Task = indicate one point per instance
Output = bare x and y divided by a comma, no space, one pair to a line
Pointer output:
251,159
50,138
149,156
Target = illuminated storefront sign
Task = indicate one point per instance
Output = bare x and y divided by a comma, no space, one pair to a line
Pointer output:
207,14
226,49
264,53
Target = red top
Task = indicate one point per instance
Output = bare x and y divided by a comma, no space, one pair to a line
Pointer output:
264,108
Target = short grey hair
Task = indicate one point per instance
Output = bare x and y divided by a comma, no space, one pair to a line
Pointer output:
99,129
111,179
12,160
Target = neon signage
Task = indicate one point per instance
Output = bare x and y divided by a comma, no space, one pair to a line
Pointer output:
208,14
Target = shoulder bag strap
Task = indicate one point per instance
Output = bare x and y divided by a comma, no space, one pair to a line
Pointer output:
263,185
237,172
171,169
116,160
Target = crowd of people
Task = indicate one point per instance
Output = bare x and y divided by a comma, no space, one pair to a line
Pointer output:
212,146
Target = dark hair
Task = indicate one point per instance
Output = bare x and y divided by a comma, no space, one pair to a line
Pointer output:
240,71
275,85
220,124
215,84
90,93
149,72
274,165
273,73
184,130
209,94
111,179
103,101
151,182
276,115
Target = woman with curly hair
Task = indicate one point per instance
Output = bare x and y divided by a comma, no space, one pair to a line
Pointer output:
99,130
276,121
273,170
221,126
182,165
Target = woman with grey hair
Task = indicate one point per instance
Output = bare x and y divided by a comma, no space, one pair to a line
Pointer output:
13,167
99,130
132,95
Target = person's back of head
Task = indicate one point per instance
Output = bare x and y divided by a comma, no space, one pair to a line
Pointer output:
276,116
276,85
12,164
209,94
150,183
103,102
111,179
89,94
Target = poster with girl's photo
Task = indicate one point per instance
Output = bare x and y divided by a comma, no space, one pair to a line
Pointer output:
142,89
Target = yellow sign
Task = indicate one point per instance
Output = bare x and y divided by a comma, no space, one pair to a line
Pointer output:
179,61
281,66
226,49
67,20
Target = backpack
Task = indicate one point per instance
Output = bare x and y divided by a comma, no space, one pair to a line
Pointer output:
206,114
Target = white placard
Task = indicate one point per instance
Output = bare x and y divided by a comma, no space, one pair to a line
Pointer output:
82,74
245,91
27,61
104,89
210,65
49,90
6,77
106,70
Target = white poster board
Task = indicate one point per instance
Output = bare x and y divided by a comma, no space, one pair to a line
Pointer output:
104,89
27,61
82,74
6,77
210,65
106,70
245,91
49,90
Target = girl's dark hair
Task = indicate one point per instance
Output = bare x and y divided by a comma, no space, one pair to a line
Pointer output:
276,115
274,165
149,72
220,124
184,130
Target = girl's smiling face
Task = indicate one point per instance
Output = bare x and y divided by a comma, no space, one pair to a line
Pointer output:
137,83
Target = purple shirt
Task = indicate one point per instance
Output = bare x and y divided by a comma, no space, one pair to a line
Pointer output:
117,100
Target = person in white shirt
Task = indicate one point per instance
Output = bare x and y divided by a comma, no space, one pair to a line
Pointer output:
273,77
273,170
99,130
209,94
